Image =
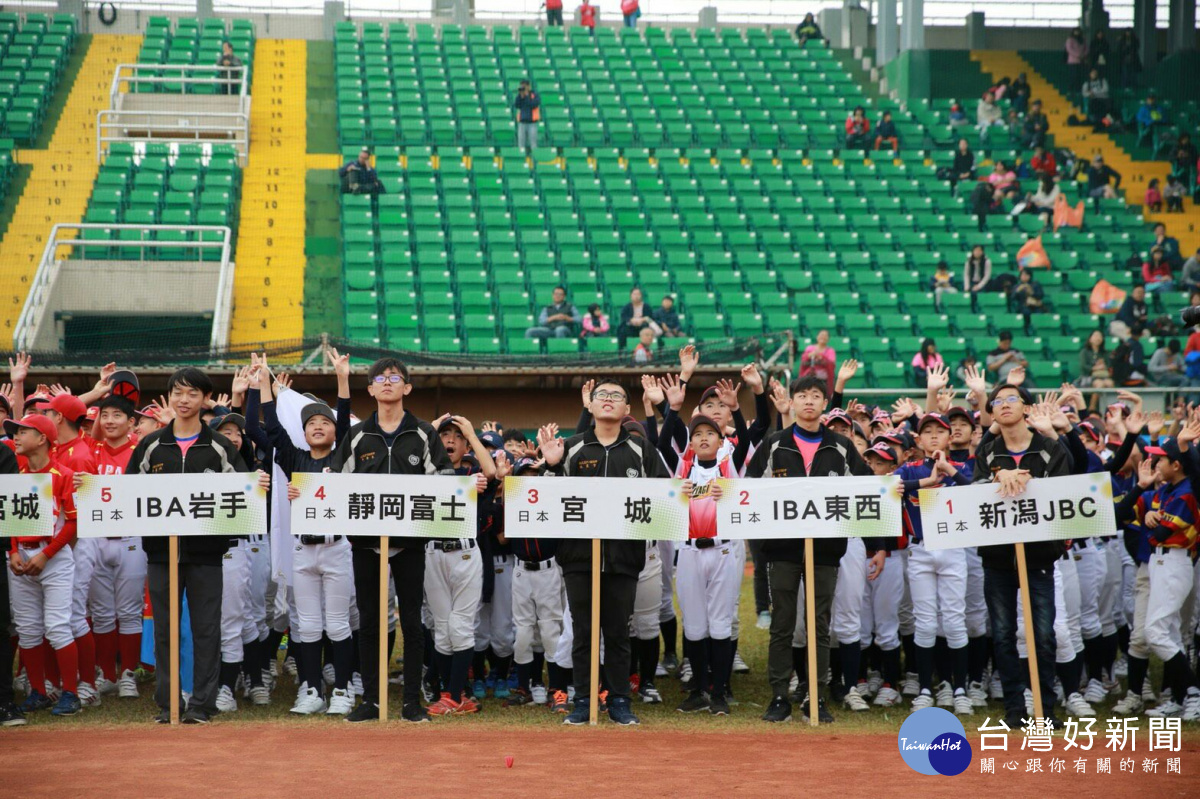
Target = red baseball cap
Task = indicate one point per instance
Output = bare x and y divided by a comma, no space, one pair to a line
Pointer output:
93,412
35,422
70,406
150,412
40,401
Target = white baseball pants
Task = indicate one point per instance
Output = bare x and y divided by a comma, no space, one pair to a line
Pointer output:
1092,568
1170,584
647,602
84,554
494,622
937,580
118,586
323,585
881,601
977,614
538,604
41,605
846,619
708,581
453,588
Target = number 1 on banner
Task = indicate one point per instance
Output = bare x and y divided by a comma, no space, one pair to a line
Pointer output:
950,506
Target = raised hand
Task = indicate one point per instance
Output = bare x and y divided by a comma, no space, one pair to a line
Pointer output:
488,427
1130,399
504,466
674,390
1155,423
283,381
727,393
945,399
780,398
937,377
689,359
1039,420
586,392
1134,423
57,389
1145,473
976,380
341,363
241,381
1016,376
19,370
551,445
752,378
652,390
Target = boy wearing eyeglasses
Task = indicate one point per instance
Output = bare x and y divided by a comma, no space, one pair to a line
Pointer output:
391,440
1012,458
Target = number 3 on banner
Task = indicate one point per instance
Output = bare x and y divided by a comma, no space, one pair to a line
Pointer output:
106,494
533,496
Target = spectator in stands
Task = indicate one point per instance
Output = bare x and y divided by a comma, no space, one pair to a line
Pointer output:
963,167
1168,244
1098,52
858,129
1166,365
1003,181
1027,296
1043,163
1193,341
808,29
942,282
1095,371
358,176
927,358
1015,125
554,17
595,322
988,115
977,272
958,115
1004,358
529,113
1153,199
1183,162
230,70
559,319
634,316
1173,194
1077,51
886,132
1132,313
982,202
644,351
631,11
1042,201
1099,175
1157,272
1149,117
1190,276
1035,127
587,17
1129,359
1129,59
819,360
1095,91
1018,93
668,318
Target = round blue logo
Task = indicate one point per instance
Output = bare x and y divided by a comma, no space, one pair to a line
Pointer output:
932,741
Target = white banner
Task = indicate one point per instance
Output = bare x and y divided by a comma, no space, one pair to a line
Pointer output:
218,504
809,507
595,507
26,505
1050,509
427,506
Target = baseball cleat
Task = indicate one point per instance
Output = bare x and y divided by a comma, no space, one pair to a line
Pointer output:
478,688
1120,667
127,685
887,697
259,695
922,701
558,703
340,702
87,694
1095,692
21,682
1077,706
356,686
670,661
518,698
660,670
105,686
911,685
225,700
52,691
650,695
308,701
1191,706
874,682
962,704
538,694
854,701
996,688
739,665
944,695
289,665
501,691
685,671
977,695
35,701
1148,692
1168,709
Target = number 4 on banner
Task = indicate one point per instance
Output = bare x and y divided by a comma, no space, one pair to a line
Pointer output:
320,493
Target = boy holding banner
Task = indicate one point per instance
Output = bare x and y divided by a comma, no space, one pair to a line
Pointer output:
606,450
806,449
1011,459
187,446
391,441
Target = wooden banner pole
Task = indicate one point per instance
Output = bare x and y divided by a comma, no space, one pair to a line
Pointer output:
1030,640
810,614
594,680
173,622
385,613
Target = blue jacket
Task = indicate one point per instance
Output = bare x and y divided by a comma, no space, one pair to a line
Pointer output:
911,474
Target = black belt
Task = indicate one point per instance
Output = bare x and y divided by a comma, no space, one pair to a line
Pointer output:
537,565
318,539
707,543
451,545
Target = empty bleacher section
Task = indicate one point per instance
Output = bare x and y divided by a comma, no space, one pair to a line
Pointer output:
192,43
33,53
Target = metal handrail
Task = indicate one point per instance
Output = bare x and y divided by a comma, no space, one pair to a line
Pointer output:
239,125
134,78
48,266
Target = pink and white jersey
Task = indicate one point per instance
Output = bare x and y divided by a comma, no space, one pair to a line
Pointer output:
702,510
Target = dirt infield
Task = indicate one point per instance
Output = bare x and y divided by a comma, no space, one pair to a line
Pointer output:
290,760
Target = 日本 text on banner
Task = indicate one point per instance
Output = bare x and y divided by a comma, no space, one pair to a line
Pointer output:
1050,509
424,506
229,504
595,507
26,505
809,507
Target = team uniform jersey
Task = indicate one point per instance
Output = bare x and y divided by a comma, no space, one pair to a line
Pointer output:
113,460
63,491
78,455
1176,506
911,475
702,509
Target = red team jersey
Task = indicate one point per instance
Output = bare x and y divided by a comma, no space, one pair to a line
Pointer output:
63,490
78,455
111,460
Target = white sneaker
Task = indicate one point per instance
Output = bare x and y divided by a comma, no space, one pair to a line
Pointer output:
923,700
356,686
1078,706
225,701
1029,702
105,686
1148,694
52,691
274,666
661,670
1168,709
764,620
874,682
794,683
127,685
1191,706
1120,666
1131,705
855,702
739,665
1095,692
685,671
289,666
308,701
962,704
650,695
21,682
1059,697
269,677
570,693
887,697
259,695
539,694
340,703
977,695
328,674
1113,687
945,695
241,686
996,688
88,695
911,685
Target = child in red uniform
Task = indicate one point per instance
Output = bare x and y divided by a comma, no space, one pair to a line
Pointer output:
43,571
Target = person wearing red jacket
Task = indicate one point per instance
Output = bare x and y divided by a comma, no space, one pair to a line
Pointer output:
43,573
858,129
587,17
631,11
1043,162
554,10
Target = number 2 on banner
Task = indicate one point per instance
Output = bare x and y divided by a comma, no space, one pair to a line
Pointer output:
745,497
533,496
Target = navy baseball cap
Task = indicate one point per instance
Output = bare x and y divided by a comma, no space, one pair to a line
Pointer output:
317,408
701,420
883,451
958,412
1090,429
932,418
1167,448
492,439
523,465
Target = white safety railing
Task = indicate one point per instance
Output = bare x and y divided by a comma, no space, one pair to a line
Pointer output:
172,127
72,235
185,75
